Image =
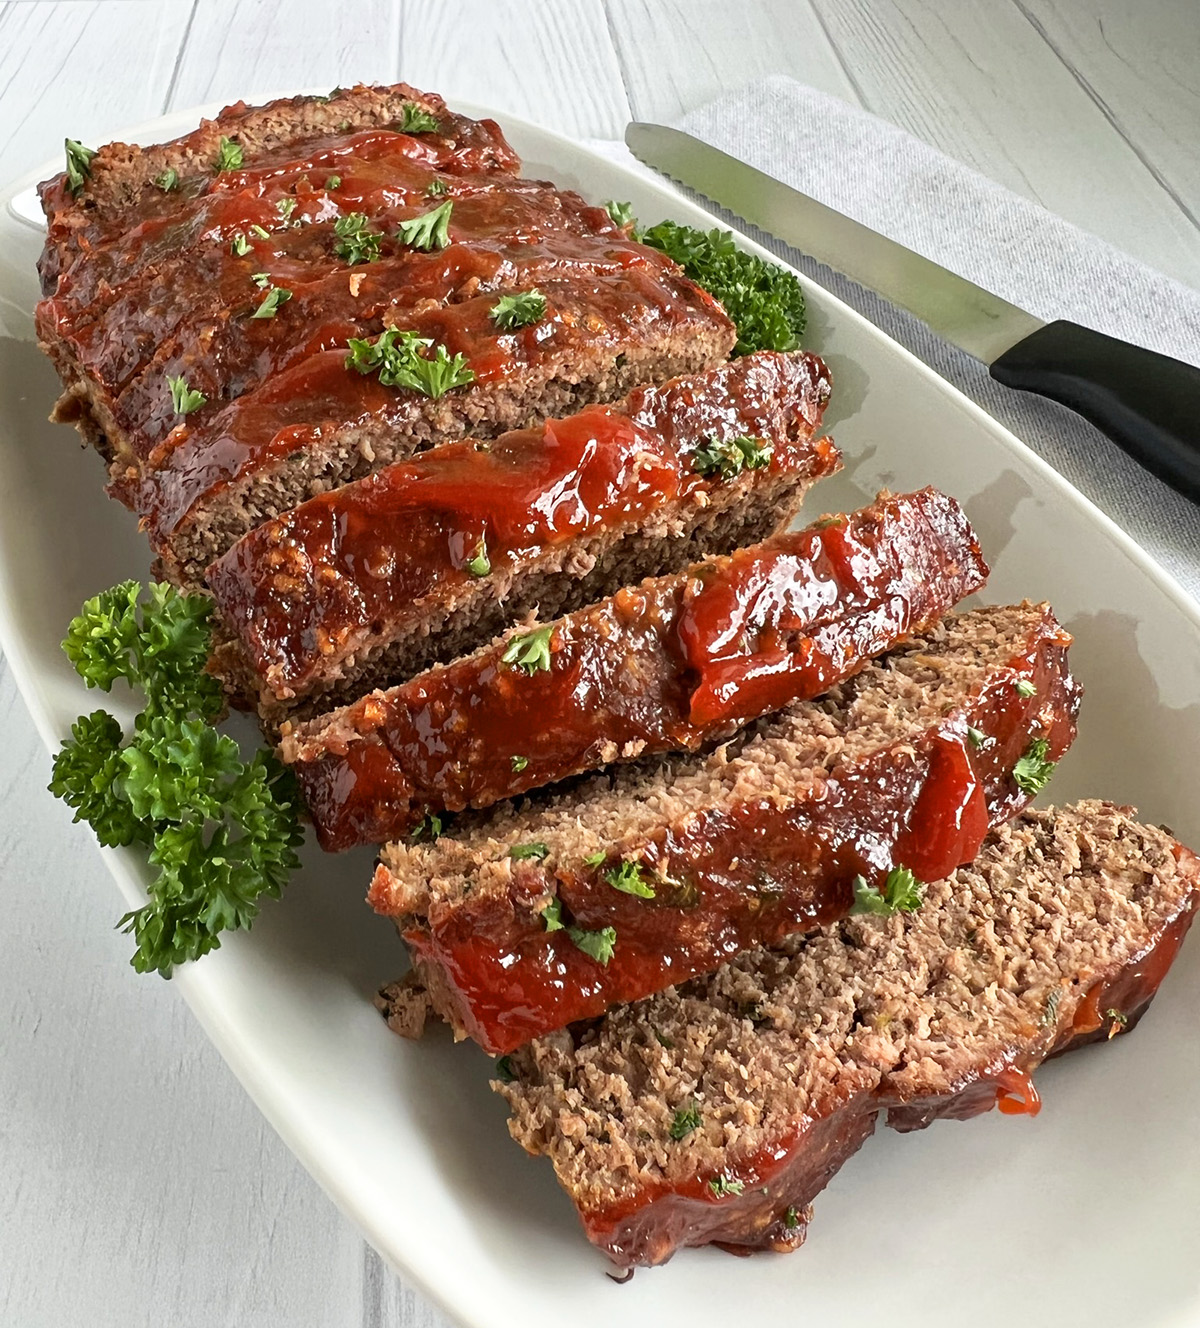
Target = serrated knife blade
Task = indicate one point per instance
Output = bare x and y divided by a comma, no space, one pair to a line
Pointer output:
1147,403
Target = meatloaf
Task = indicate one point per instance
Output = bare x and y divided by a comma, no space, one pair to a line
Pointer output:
524,920
671,665
716,1111
371,582
207,298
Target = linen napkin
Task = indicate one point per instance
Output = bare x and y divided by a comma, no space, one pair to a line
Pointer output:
901,187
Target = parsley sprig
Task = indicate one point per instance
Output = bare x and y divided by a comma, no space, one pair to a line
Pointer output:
519,310
400,360
221,832
79,164
764,300
530,652
356,241
901,893
1033,770
726,458
429,231
416,119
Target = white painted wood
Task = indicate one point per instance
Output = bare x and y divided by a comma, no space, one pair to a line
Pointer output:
1141,65
246,48
676,54
553,63
56,72
137,1184
977,80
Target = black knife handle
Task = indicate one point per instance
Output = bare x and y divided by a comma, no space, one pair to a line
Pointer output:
1147,403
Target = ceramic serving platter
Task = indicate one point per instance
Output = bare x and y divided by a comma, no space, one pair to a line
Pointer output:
1088,1214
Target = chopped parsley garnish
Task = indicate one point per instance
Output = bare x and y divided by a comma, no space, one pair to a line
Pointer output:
1032,772
229,155
535,850
621,213
167,180
901,893
435,188
79,164
261,279
976,737
239,245
183,399
400,362
271,301
429,825
513,311
416,120
1025,688
221,832
765,301
1050,1012
530,652
723,1186
504,1070
356,241
1119,1019
285,207
480,564
662,1039
629,878
791,1219
518,763
598,945
260,231
595,859
686,1120
728,457
429,231
334,182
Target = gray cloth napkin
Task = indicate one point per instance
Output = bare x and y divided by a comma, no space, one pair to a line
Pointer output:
892,182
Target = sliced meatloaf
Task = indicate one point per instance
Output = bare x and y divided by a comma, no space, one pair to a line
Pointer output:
376,580
321,422
716,1111
678,662
526,919
128,187
207,298
196,318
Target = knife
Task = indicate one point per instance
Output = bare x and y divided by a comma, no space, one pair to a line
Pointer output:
1147,403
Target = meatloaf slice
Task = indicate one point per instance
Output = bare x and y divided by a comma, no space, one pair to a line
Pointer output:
716,1111
321,422
374,581
525,920
129,186
679,662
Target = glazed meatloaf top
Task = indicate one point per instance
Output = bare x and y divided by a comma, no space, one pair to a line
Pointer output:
525,920
671,664
716,1110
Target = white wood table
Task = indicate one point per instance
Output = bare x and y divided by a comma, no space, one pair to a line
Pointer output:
138,1186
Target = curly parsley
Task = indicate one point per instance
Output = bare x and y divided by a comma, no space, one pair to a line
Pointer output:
723,1186
400,360
630,879
620,213
1033,770
230,156
520,310
416,119
356,241
726,458
530,652
79,164
429,231
901,893
221,833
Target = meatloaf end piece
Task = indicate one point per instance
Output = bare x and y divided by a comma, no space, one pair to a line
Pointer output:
321,422
527,919
371,582
716,1111
676,663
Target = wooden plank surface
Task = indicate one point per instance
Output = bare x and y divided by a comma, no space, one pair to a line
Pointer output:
137,1184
